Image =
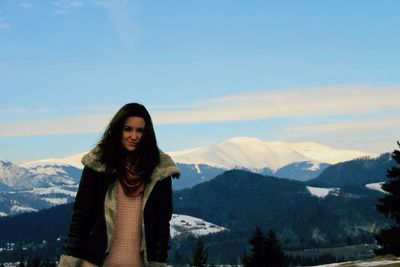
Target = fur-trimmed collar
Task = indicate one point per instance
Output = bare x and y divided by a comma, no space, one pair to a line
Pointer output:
165,168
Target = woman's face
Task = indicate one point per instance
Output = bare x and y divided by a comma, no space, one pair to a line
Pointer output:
132,132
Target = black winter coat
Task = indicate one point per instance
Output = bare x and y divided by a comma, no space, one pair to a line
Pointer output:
88,237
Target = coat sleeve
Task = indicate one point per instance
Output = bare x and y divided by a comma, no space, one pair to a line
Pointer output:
83,214
164,214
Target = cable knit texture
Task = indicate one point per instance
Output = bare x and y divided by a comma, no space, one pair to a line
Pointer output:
125,246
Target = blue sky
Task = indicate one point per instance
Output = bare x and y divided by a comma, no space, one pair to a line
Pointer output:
324,71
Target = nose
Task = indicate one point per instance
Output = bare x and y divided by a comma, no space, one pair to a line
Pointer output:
134,135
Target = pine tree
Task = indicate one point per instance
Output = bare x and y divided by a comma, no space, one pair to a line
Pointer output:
22,261
265,251
199,254
389,239
35,262
273,251
256,258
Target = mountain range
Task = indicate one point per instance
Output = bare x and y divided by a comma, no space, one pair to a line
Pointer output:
54,181
303,214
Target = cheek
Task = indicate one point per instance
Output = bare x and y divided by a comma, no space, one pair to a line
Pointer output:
124,136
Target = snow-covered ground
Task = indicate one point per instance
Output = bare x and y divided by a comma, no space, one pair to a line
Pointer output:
52,190
323,192
362,264
56,201
376,186
17,208
184,224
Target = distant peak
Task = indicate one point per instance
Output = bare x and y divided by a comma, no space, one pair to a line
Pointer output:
5,162
242,139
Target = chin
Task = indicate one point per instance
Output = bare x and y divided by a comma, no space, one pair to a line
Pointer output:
129,148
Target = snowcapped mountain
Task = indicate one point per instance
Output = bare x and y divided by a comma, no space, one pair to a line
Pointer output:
55,180
300,161
11,174
243,153
255,154
72,160
37,174
302,171
35,186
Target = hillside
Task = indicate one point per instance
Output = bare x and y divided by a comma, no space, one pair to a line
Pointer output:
358,172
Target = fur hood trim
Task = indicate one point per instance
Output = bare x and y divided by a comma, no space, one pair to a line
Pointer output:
165,168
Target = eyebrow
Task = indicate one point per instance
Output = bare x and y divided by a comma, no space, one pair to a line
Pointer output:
128,126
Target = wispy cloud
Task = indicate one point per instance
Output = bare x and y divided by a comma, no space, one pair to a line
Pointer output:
121,14
66,6
77,124
65,110
383,126
347,106
11,111
3,23
305,102
25,5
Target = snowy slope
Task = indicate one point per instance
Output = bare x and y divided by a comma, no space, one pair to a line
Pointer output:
323,192
36,186
365,263
256,154
376,186
72,160
184,224
10,173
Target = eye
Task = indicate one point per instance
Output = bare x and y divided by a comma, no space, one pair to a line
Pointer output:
127,128
141,130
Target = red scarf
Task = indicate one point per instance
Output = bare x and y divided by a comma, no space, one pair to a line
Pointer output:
131,182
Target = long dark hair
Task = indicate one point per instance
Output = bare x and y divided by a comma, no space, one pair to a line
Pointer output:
146,155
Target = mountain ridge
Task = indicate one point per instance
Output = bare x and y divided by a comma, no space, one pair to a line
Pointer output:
243,152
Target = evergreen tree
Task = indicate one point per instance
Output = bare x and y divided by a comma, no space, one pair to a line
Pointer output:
265,251
199,254
256,258
273,251
389,239
35,262
22,261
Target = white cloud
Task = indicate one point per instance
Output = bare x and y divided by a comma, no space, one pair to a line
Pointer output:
77,124
306,102
121,14
383,126
65,110
66,6
349,102
4,25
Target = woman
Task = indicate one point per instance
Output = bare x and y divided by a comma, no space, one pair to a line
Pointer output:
124,202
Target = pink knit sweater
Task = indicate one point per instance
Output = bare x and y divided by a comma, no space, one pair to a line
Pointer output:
125,245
